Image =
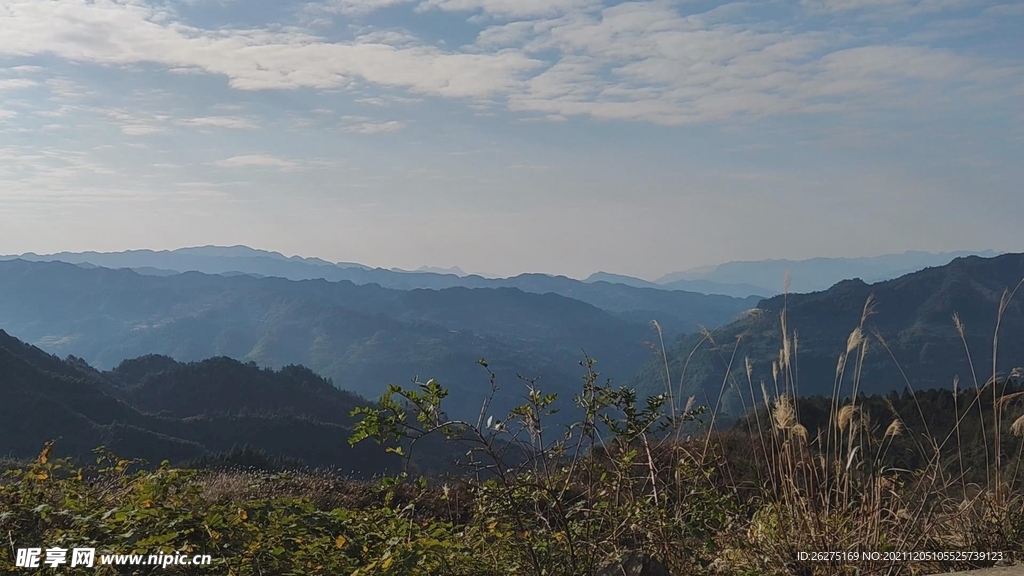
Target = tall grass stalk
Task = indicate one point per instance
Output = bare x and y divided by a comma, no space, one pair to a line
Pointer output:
835,489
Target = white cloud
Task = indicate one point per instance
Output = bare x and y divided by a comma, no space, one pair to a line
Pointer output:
890,8
511,34
1005,10
58,112
493,8
252,59
641,61
67,89
26,69
257,161
644,61
270,161
236,122
369,127
387,100
352,7
8,84
140,129
548,118
187,71
512,8
39,175
130,122
387,37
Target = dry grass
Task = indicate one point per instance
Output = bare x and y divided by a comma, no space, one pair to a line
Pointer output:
328,491
835,492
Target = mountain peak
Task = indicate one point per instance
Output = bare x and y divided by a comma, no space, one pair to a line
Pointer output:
235,251
435,270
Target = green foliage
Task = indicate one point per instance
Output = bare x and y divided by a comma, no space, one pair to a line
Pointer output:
245,457
539,501
550,502
121,510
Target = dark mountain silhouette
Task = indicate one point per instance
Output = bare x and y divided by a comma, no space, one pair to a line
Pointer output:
679,312
913,315
154,408
225,386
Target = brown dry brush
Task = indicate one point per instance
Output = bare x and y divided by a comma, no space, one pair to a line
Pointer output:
327,491
835,488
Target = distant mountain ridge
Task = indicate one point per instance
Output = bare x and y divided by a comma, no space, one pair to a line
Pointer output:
739,279
816,273
699,286
240,251
207,259
912,313
766,277
453,270
677,310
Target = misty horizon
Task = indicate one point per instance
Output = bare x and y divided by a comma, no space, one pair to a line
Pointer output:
458,270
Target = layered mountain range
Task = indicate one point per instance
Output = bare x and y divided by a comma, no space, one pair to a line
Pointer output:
737,279
188,365
361,336
911,338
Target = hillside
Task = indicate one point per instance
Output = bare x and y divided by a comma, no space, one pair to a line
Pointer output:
678,311
158,384
156,409
912,313
362,337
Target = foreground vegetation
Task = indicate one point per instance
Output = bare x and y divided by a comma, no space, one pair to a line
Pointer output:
651,482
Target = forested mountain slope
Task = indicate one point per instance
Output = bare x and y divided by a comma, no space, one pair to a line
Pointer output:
362,337
913,315
156,409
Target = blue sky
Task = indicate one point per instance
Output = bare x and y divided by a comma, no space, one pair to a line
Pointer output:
503,136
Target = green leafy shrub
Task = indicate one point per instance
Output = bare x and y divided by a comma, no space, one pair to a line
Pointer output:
576,498
119,511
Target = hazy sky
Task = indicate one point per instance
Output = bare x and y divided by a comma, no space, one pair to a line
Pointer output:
504,136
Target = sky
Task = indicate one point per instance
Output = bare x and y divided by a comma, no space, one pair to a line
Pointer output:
506,136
